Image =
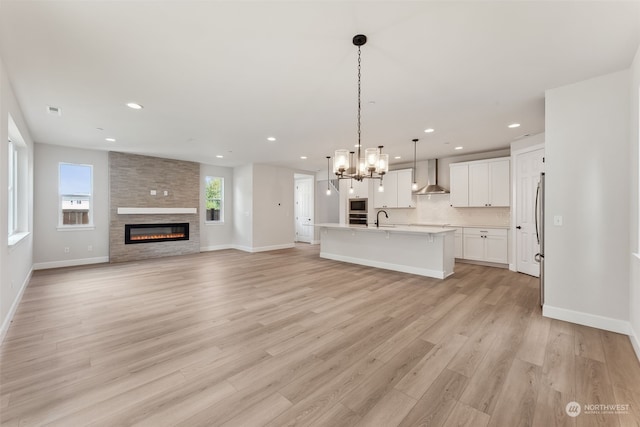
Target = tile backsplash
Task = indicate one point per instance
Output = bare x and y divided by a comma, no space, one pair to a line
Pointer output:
435,209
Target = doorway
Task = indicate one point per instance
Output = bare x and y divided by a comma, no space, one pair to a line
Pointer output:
529,164
303,207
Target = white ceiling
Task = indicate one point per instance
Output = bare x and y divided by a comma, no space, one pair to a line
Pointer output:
218,78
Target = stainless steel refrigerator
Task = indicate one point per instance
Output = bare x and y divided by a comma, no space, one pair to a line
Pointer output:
540,232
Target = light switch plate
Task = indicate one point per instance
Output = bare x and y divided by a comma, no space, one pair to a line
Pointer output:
152,192
557,220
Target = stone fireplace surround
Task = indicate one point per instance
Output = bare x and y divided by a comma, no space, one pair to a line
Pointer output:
132,178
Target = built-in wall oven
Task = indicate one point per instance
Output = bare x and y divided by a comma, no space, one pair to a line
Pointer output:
358,209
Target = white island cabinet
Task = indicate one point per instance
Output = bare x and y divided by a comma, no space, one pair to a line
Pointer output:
426,251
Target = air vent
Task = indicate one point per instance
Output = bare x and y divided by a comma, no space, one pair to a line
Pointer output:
54,111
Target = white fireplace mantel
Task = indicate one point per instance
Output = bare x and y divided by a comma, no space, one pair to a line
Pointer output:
156,211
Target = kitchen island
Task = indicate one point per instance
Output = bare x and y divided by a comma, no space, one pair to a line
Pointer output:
426,251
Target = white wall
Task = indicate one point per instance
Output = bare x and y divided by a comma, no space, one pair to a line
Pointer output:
49,242
634,218
16,261
217,235
587,183
273,215
263,207
243,207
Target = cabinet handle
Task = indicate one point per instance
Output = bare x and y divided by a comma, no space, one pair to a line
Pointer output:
519,227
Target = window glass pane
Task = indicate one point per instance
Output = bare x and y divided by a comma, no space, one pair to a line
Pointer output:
75,194
75,179
12,196
214,198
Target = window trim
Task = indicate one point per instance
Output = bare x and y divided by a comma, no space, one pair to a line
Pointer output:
71,227
222,200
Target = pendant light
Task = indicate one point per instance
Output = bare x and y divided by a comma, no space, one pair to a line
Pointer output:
328,180
414,185
374,164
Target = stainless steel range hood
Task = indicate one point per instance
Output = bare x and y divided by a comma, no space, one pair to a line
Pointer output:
432,186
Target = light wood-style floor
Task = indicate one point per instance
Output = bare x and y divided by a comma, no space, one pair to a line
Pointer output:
286,338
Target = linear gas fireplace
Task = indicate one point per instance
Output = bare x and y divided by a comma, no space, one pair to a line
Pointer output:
147,233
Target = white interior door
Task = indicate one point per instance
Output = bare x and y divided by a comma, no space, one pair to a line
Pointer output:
528,168
304,209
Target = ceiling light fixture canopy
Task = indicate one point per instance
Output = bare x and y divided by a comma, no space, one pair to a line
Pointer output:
352,164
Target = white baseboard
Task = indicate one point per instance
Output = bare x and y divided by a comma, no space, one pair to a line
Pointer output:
216,248
635,341
12,311
587,319
315,242
70,263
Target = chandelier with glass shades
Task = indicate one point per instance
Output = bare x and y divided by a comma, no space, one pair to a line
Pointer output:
352,164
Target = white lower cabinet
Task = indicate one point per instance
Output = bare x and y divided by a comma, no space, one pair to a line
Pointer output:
486,244
457,243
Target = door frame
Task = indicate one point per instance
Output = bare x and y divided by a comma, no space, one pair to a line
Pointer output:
514,185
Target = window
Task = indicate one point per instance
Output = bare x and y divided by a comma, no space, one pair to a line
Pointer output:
214,199
75,190
12,161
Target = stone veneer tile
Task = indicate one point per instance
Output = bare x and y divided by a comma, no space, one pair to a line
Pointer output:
131,178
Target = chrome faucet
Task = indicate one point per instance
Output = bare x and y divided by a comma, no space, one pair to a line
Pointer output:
378,218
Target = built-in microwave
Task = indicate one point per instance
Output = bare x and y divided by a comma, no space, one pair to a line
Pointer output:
358,205
358,212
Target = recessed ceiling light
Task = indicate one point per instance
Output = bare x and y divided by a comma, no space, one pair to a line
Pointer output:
271,138
458,148
397,157
134,105
110,139
428,130
303,157
220,156
514,125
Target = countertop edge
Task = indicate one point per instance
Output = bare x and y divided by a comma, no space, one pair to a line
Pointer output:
394,229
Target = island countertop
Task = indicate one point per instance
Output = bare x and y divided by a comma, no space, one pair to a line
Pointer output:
418,229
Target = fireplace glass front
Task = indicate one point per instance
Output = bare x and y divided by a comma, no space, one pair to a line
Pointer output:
147,233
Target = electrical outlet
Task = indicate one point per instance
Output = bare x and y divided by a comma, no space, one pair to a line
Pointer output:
152,192
66,249
166,193
90,248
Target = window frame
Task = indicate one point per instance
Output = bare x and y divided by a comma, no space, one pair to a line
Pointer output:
221,200
64,227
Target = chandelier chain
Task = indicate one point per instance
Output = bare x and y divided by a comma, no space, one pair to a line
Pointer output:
359,77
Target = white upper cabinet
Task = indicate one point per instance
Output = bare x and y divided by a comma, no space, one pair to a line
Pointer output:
500,183
360,189
397,190
459,183
481,183
405,195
